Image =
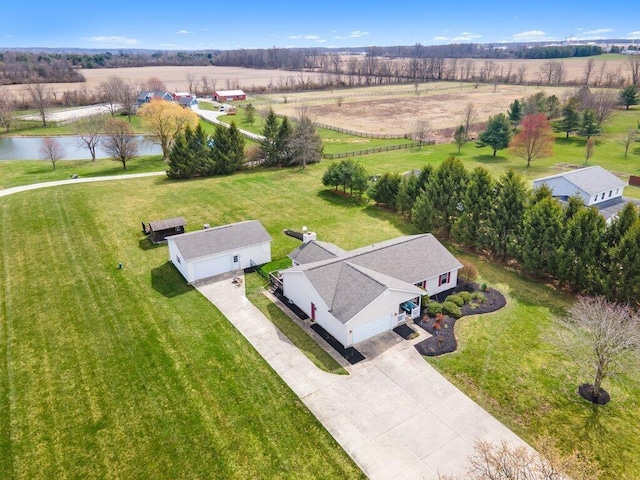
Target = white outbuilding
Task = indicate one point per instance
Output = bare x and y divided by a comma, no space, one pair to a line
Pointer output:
213,251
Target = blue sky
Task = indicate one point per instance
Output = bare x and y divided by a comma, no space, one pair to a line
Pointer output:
198,24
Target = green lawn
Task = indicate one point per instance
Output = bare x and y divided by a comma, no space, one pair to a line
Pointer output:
255,285
131,373
35,129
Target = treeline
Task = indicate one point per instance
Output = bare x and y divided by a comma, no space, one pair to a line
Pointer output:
569,243
559,51
22,67
130,59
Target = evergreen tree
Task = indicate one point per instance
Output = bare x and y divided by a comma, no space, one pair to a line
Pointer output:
359,179
407,194
385,189
332,176
619,226
515,113
446,188
346,173
589,124
472,225
423,213
628,96
624,277
269,145
497,134
541,236
423,177
570,116
582,248
506,216
228,149
574,205
283,143
180,163
540,193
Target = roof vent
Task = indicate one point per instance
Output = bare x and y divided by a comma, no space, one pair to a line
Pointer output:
206,225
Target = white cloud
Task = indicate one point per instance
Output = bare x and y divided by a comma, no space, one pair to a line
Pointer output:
112,40
440,39
466,37
531,35
635,34
294,37
183,32
311,37
597,31
358,34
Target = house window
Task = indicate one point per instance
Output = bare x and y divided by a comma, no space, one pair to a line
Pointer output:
602,198
610,193
235,259
617,191
178,259
444,278
313,311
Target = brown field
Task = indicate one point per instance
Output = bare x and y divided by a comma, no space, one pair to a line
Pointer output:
395,108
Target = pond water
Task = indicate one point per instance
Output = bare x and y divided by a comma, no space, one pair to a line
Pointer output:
27,148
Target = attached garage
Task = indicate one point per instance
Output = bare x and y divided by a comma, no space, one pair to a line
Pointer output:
213,251
372,328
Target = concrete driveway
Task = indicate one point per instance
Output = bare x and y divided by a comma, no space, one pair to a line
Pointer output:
395,415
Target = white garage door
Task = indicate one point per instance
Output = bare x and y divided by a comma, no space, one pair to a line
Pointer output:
371,329
211,267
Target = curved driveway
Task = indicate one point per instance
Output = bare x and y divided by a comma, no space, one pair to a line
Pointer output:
394,414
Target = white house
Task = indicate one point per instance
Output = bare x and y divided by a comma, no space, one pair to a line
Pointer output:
596,186
358,294
212,251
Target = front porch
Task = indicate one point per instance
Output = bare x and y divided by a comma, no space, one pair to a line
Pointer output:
408,310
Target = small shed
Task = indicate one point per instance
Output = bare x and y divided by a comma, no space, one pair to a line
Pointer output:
159,231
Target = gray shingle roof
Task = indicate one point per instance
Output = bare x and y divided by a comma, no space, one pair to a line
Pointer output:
351,281
315,251
167,223
220,239
592,180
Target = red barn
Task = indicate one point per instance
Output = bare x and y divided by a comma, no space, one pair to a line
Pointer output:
229,95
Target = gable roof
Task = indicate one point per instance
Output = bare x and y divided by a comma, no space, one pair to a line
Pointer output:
591,180
167,224
224,238
229,93
351,281
315,251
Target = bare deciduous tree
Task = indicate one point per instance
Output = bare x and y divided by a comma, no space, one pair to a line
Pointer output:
51,150
589,149
7,108
588,70
633,64
40,96
305,143
630,136
522,71
470,116
503,461
603,338
89,131
422,131
110,91
119,141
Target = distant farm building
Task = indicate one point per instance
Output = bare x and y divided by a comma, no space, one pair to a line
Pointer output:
147,96
229,95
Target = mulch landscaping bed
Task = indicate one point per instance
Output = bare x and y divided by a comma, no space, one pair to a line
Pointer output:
350,354
586,391
405,331
444,339
291,306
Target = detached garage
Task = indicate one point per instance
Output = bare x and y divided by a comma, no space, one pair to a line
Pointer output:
213,251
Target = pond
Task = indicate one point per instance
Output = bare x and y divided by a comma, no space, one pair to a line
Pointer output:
27,148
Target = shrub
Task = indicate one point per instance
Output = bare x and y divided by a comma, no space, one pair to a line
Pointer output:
434,308
468,272
465,296
479,296
457,299
483,287
451,309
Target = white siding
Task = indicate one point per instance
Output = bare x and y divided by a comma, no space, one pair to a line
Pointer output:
561,187
204,267
297,288
433,288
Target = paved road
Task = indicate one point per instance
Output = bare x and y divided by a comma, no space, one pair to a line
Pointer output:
56,183
212,116
394,414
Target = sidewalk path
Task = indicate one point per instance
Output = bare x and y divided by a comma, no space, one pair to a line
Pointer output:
57,183
394,414
212,117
